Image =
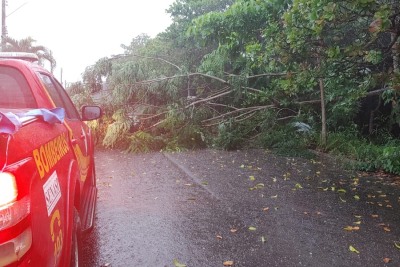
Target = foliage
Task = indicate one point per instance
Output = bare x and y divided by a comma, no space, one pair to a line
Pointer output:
80,94
364,154
117,131
144,142
27,45
228,72
289,140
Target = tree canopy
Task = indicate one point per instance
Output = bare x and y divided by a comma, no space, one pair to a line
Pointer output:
27,45
230,71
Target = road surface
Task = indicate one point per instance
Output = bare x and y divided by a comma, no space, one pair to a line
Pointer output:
246,208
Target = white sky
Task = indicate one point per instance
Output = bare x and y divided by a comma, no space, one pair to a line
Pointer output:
79,32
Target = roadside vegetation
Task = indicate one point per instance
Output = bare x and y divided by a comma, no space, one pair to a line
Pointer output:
284,75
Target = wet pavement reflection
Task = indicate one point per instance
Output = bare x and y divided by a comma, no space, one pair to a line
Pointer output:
252,208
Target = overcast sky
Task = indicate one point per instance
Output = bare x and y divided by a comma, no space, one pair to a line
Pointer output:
79,32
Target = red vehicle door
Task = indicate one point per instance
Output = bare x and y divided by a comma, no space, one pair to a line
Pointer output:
80,136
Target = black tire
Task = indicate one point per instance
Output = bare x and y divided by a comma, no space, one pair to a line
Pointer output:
76,241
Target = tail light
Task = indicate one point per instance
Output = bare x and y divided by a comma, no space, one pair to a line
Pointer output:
12,211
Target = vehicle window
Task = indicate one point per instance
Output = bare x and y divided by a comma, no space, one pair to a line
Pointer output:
59,96
14,90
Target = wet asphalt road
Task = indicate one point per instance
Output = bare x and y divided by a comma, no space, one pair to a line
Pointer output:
204,208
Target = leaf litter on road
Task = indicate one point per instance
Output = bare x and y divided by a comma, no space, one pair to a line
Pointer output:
353,249
263,239
178,264
352,228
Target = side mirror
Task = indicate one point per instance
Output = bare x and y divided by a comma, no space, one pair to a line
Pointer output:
90,113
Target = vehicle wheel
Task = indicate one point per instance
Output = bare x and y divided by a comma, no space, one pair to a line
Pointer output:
75,252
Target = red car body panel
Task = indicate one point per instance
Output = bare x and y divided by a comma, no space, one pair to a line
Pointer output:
54,172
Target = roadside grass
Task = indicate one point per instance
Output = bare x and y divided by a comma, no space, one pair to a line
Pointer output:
357,152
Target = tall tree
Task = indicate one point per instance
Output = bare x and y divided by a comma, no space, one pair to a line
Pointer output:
27,45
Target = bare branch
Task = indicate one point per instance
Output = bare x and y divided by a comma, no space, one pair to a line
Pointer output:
269,75
220,105
254,90
239,110
379,91
183,76
154,116
155,58
208,99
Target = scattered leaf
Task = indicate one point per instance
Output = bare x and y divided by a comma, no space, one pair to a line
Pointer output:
263,240
266,209
356,197
357,223
204,183
397,245
358,216
274,179
252,228
341,199
353,249
257,186
374,215
242,166
352,228
178,264
341,190
319,213
260,185
234,230
276,196
386,229
228,263
252,178
387,260
298,186
219,237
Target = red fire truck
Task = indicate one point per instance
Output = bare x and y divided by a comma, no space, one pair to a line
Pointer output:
47,172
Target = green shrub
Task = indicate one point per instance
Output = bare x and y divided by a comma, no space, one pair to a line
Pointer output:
117,131
390,158
142,142
364,154
289,140
229,137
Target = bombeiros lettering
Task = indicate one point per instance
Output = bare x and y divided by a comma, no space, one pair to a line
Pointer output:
47,155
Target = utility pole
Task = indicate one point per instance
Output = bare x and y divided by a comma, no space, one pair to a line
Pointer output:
3,25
